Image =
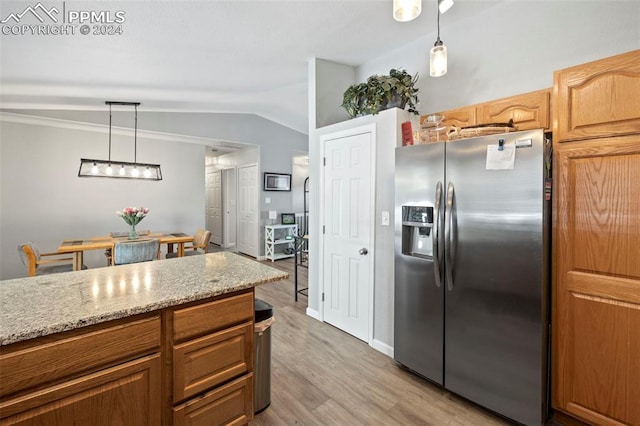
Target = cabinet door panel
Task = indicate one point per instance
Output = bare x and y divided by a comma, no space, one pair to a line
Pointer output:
596,319
206,362
528,111
231,404
127,394
598,99
460,117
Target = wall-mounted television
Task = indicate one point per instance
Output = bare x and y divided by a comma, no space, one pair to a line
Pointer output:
277,182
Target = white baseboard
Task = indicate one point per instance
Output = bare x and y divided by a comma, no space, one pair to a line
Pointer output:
313,314
382,347
261,258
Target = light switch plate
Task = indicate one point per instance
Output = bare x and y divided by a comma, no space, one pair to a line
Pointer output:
385,218
267,200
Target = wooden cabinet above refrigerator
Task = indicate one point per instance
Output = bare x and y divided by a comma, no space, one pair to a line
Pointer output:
528,111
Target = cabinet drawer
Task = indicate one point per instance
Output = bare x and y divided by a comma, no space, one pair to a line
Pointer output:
208,317
51,360
206,362
125,394
231,404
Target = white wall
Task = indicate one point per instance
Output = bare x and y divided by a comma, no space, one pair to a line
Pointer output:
44,201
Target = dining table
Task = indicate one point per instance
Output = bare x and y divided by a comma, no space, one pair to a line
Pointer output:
77,247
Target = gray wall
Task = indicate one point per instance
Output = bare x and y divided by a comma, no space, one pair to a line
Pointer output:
276,145
44,201
331,80
513,48
300,173
271,160
243,128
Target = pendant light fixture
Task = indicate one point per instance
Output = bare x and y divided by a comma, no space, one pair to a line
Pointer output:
121,169
444,5
406,10
438,55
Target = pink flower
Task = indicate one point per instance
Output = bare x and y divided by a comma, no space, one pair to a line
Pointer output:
133,215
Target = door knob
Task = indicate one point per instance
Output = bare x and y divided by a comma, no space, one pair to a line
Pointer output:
363,251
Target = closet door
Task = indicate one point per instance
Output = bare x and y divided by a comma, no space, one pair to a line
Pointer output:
214,204
248,210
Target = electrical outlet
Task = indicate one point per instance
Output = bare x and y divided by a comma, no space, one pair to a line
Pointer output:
267,200
385,219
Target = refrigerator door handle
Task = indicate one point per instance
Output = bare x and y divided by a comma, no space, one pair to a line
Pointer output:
449,236
436,235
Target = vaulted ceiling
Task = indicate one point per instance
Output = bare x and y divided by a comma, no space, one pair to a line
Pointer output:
195,56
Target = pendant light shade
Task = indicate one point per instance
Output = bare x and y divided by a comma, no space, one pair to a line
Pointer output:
120,169
438,54
444,5
438,60
406,10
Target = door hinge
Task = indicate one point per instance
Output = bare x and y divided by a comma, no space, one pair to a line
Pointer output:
323,297
324,161
323,229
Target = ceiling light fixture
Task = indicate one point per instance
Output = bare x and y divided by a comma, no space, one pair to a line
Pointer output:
444,5
438,55
406,10
127,170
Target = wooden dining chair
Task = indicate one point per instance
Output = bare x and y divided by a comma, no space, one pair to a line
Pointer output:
200,244
135,251
37,264
107,252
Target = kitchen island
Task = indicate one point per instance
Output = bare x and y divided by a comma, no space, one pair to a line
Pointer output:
166,342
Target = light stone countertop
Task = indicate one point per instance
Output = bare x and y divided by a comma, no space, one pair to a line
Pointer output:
43,305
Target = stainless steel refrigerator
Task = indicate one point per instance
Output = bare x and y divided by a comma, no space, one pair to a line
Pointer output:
472,269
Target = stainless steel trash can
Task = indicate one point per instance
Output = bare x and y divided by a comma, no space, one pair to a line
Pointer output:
262,355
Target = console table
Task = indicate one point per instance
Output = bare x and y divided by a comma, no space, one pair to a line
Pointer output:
279,241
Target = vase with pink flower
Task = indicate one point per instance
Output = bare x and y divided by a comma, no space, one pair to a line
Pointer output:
133,216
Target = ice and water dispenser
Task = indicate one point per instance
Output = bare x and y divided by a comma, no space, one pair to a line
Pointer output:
417,227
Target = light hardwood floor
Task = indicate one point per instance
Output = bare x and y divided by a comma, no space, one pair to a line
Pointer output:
323,376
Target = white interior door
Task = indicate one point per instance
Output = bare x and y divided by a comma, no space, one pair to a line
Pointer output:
248,210
229,208
214,205
346,244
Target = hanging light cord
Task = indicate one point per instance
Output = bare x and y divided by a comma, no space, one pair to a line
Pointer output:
135,137
109,134
438,41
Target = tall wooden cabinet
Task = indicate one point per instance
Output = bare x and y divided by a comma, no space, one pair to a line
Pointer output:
596,241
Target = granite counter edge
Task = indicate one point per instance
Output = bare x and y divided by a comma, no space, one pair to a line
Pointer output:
34,333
